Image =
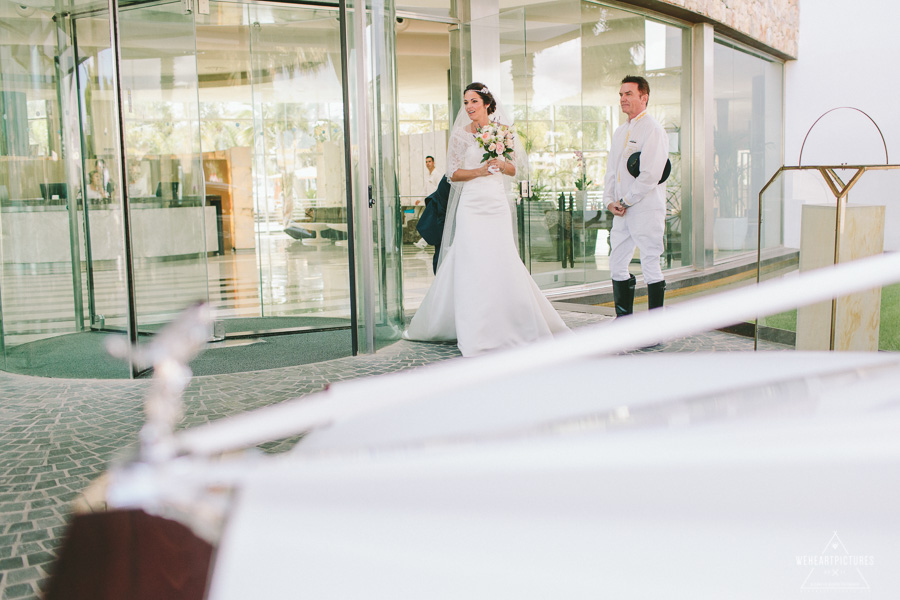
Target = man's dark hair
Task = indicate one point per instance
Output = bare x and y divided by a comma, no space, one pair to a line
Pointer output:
431,157
643,86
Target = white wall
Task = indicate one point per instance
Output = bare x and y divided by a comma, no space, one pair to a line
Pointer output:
847,56
413,150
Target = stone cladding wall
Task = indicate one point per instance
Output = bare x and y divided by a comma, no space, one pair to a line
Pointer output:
775,23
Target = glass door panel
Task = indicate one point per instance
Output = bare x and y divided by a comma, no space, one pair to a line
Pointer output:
300,193
376,196
52,136
516,91
387,217
556,210
748,118
96,159
29,166
541,49
423,94
227,145
173,228
562,64
272,115
617,43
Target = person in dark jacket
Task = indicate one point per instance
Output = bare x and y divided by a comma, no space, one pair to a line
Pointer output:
431,223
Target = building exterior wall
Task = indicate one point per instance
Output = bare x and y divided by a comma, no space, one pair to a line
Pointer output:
845,58
772,23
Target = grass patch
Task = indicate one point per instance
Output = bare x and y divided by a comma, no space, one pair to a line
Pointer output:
888,331
786,320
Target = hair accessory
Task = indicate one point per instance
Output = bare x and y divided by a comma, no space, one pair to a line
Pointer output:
484,90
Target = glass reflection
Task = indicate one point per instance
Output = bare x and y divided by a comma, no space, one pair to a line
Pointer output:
238,197
58,179
423,61
563,63
747,140
273,157
172,225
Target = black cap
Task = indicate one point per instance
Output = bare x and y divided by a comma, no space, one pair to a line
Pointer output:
634,166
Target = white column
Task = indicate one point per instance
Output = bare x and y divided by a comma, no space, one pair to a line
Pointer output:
702,208
476,45
485,42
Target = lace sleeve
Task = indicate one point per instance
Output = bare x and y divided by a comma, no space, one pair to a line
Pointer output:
456,152
519,157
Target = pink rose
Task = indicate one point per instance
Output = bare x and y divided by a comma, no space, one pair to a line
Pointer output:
492,147
499,147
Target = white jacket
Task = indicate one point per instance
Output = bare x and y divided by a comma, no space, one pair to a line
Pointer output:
641,134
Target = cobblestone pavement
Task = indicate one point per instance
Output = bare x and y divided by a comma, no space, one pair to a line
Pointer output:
57,435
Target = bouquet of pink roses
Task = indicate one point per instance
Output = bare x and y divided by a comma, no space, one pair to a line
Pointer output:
497,140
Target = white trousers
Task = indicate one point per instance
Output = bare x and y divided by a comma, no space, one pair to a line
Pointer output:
644,229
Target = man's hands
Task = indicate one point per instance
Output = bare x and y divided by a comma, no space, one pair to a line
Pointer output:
617,208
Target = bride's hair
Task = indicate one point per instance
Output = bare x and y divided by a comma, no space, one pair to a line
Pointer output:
486,95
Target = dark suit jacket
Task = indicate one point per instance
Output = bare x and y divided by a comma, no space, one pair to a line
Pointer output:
431,222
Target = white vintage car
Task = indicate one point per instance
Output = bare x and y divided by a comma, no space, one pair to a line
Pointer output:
562,470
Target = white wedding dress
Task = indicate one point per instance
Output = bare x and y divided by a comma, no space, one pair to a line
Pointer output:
483,296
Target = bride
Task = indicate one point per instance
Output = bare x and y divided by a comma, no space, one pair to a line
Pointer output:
482,295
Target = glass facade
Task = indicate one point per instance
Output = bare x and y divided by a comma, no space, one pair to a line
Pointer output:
272,138
224,181
561,65
748,150
267,158
163,155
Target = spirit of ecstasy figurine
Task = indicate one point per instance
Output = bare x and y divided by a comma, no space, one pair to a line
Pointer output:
169,353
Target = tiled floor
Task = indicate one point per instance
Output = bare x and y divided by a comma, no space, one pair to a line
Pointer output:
57,435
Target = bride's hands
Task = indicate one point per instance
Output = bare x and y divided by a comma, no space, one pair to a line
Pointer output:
495,165
484,169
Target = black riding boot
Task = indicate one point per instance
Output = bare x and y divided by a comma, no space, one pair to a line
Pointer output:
656,292
623,295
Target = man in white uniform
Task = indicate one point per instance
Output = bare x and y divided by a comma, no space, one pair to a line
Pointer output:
432,179
638,203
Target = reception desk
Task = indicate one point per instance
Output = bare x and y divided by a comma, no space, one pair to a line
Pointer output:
40,234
